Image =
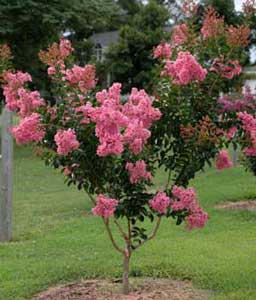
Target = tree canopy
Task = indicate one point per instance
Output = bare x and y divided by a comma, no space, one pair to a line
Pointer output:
130,60
30,25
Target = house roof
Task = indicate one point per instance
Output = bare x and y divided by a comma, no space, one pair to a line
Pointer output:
105,39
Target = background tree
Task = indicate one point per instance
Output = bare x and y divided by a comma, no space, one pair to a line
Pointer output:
131,7
130,61
30,25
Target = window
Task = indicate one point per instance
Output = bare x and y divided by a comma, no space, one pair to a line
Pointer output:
98,52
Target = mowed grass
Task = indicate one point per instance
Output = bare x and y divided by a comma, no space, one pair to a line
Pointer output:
56,240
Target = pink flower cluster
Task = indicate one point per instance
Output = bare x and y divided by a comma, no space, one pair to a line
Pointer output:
29,130
105,207
66,141
223,161
180,34
28,102
55,56
86,110
228,104
118,124
25,103
163,51
141,114
83,77
185,69
238,36
14,81
17,97
187,200
65,48
249,126
213,25
138,171
228,70
109,120
231,132
160,203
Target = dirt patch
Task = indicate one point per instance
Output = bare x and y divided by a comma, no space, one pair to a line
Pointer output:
142,289
242,205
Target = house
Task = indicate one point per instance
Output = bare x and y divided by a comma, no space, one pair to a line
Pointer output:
250,77
103,40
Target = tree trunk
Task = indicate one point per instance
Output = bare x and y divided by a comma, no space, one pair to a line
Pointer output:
126,274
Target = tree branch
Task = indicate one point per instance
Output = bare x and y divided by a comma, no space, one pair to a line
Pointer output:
91,197
124,235
106,222
152,235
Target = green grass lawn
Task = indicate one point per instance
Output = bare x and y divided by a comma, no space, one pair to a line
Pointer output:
56,241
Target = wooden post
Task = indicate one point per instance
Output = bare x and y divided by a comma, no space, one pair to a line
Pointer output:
235,156
6,178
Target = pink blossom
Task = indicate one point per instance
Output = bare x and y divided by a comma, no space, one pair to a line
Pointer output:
66,141
163,51
213,25
231,132
29,130
185,69
105,207
136,136
83,77
118,124
197,219
245,103
141,114
111,97
138,171
249,126
186,199
51,71
250,151
28,102
223,161
228,70
140,107
248,121
109,122
160,203
180,34
14,81
111,145
86,111
65,48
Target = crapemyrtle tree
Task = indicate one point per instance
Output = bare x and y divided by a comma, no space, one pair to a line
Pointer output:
112,148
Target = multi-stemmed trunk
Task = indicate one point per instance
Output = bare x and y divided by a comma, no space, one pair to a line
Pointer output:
128,246
126,264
